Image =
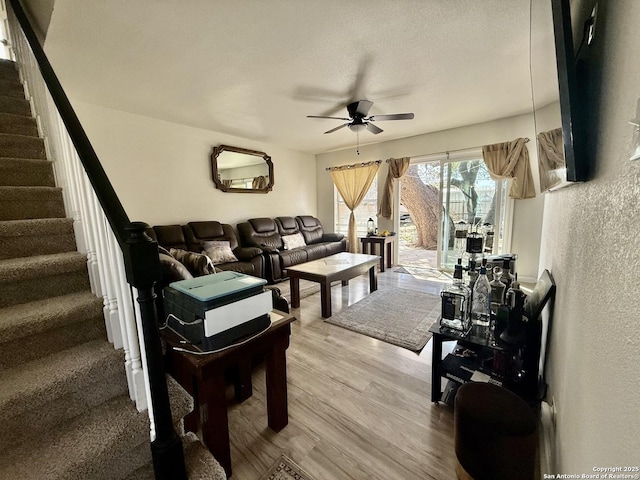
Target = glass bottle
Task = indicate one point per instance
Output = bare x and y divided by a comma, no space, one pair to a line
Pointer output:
456,299
507,276
481,299
497,289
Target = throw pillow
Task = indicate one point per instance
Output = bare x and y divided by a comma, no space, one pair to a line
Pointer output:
219,252
293,241
197,263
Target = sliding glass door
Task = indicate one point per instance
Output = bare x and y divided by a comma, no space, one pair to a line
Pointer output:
437,193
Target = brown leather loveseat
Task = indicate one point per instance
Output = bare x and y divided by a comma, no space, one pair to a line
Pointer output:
272,235
192,237
189,239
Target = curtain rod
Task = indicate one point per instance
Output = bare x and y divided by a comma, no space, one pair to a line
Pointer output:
526,140
354,165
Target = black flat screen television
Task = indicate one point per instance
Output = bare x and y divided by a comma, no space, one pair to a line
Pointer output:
560,121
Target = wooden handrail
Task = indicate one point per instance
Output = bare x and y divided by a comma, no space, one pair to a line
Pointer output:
141,260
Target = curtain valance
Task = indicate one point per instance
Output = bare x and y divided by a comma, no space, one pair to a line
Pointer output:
511,160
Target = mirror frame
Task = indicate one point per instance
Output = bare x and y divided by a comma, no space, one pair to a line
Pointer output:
217,151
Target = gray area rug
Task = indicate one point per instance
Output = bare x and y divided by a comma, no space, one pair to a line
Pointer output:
307,288
286,469
398,316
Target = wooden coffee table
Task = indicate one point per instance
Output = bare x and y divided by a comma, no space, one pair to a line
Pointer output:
341,266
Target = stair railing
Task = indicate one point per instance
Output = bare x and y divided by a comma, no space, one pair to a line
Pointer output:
122,260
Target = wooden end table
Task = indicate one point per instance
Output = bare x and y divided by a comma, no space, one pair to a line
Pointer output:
339,267
384,243
203,376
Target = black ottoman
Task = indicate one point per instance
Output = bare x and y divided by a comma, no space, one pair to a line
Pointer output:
495,433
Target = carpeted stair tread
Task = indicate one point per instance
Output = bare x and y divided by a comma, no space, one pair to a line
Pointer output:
18,124
7,65
28,279
22,203
41,381
181,402
42,236
11,87
32,422
14,269
15,105
88,447
201,465
21,146
24,320
26,172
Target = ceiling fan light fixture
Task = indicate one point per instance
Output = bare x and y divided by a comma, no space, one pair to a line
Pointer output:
357,127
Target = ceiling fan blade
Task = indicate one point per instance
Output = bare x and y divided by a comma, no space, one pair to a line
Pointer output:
332,118
360,108
337,128
393,116
373,128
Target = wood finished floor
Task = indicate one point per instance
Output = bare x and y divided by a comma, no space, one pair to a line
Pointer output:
359,408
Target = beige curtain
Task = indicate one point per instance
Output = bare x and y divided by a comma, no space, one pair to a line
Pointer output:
550,157
397,168
353,183
511,160
259,182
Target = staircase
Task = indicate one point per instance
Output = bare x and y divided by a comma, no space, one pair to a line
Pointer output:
65,411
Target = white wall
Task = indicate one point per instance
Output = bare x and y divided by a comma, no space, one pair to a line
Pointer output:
162,171
591,244
527,223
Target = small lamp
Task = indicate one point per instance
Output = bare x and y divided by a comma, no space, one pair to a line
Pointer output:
370,227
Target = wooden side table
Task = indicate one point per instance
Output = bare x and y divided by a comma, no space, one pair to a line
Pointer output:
384,243
203,376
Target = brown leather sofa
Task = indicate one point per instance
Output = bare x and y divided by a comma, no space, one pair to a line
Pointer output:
191,236
267,233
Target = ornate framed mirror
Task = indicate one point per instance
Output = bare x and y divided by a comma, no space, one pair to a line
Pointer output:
241,170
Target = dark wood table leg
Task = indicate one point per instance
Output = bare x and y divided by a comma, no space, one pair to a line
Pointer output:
373,279
364,245
276,373
325,298
294,283
214,420
242,382
436,360
389,254
381,248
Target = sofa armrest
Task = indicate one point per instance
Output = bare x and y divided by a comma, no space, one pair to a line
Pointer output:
247,253
267,249
332,237
172,270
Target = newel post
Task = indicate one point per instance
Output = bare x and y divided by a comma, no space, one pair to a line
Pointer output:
143,271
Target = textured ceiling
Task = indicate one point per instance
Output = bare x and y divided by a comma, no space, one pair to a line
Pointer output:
256,68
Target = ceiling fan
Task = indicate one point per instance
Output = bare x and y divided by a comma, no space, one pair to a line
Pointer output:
359,121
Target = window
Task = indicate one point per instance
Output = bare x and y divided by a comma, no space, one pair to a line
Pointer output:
367,209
